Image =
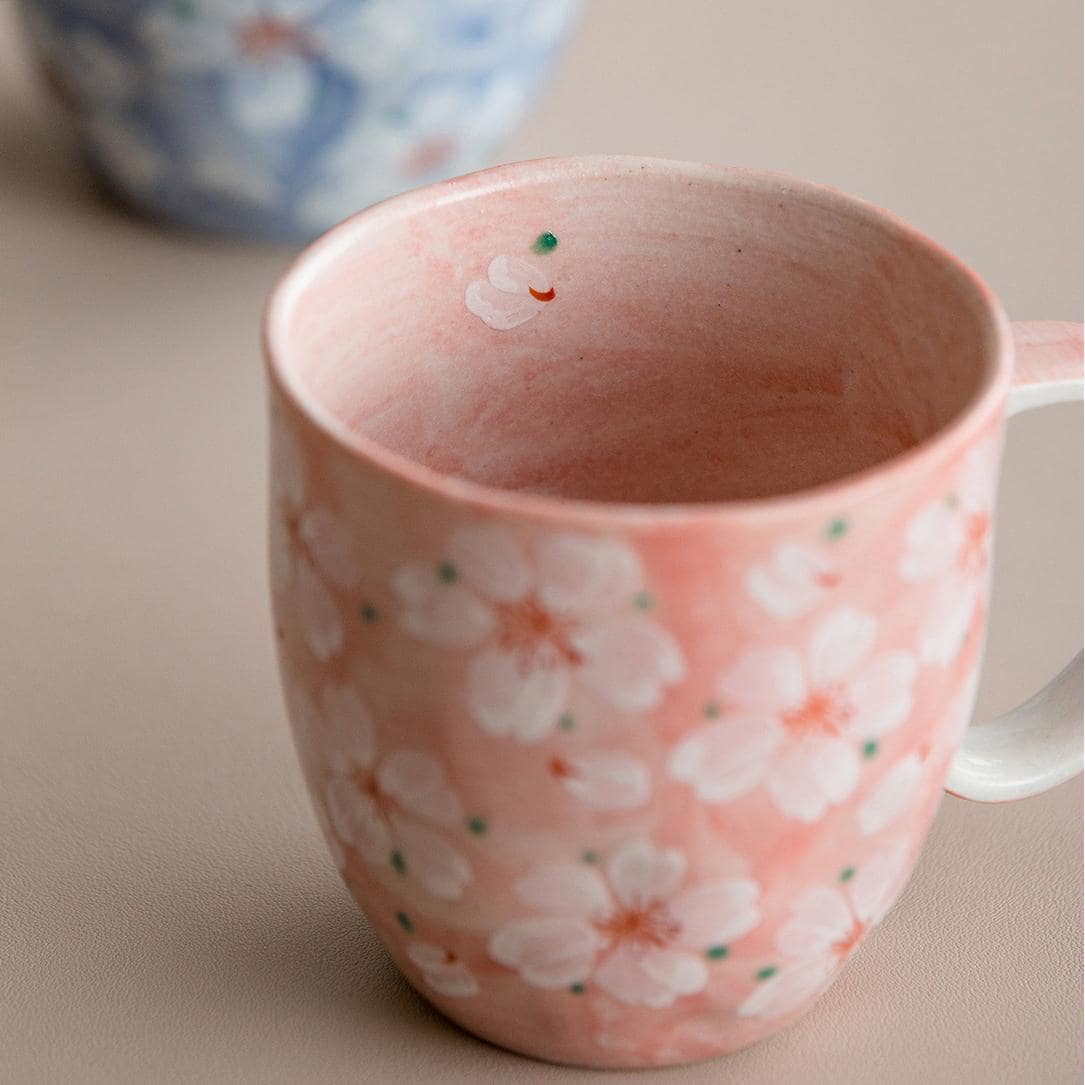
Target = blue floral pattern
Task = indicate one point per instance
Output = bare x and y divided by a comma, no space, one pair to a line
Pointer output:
277,118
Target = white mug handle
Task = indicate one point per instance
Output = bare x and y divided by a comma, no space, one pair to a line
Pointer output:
1038,744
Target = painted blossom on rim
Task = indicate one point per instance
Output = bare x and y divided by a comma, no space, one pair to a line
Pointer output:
948,544
512,293
310,552
539,618
794,722
825,924
443,970
636,932
792,582
390,811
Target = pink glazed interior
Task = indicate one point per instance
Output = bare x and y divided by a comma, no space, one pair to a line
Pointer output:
683,334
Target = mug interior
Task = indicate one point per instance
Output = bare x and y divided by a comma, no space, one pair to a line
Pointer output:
622,330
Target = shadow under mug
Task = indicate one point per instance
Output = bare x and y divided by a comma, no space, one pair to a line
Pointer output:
631,534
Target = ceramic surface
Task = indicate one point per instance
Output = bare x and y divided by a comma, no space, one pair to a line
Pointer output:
278,118
625,784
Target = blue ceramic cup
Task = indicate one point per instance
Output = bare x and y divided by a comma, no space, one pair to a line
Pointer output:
278,118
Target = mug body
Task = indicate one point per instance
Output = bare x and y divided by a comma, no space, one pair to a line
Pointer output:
278,118
631,527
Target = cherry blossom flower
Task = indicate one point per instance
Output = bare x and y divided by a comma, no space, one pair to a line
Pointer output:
826,923
795,722
386,810
948,544
539,618
443,970
309,551
513,292
636,933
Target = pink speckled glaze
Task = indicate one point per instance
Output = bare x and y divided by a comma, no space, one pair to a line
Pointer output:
630,589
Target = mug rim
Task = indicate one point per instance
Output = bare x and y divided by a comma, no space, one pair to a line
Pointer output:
987,398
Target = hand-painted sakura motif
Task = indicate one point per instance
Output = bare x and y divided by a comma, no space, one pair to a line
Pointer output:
948,544
388,811
310,553
443,970
539,618
825,925
603,779
512,293
636,933
793,582
796,724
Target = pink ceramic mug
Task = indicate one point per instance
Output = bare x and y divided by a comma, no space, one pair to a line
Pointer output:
631,530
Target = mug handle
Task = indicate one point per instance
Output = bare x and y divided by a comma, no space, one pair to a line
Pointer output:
1038,744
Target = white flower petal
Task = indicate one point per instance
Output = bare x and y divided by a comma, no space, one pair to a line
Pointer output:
417,782
347,734
330,547
881,695
628,662
608,780
447,977
499,310
641,874
948,620
766,680
793,985
650,977
839,645
979,472
820,918
511,274
318,615
566,888
490,560
357,820
715,913
932,541
891,796
581,575
793,583
813,774
509,695
440,612
878,882
431,860
270,97
548,951
727,759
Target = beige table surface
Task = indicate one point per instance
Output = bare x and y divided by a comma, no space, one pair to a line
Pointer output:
168,913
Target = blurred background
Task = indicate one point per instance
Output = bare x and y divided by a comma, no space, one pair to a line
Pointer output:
167,911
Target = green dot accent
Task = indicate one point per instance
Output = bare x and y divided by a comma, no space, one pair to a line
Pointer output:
870,748
447,572
847,874
544,243
642,601
837,528
477,826
369,613
577,989
590,856
399,864
567,721
716,953
711,710
765,973
404,921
